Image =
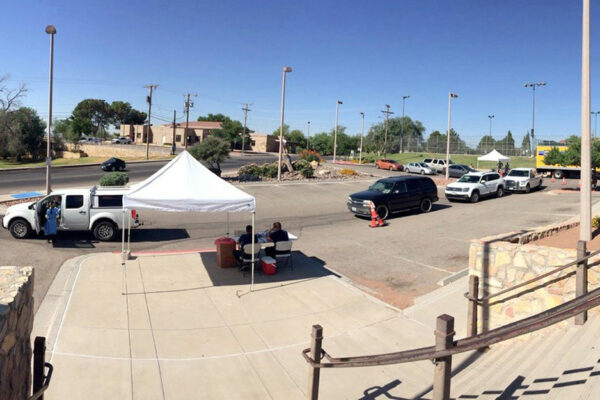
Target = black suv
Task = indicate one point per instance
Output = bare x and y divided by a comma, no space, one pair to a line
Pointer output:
113,164
395,194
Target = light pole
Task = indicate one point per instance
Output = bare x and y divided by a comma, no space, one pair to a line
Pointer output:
402,123
490,117
595,113
362,133
307,135
285,70
50,30
533,85
450,97
337,103
585,228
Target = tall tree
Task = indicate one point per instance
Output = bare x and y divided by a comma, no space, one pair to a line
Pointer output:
411,132
26,130
97,111
506,145
486,144
526,144
231,130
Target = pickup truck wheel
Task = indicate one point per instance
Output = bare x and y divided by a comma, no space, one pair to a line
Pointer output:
105,231
383,212
500,191
474,196
558,174
19,228
527,188
425,206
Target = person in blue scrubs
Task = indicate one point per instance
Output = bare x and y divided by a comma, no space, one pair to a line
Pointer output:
51,225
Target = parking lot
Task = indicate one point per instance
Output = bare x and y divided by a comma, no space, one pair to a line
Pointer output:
397,262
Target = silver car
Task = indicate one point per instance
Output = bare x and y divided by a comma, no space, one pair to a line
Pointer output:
419,168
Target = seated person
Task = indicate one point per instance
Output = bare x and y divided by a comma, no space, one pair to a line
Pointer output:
245,239
276,234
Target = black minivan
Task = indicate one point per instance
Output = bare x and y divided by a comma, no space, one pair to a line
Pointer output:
395,194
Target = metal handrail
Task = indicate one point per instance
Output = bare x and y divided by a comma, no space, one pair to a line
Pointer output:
47,378
537,278
527,325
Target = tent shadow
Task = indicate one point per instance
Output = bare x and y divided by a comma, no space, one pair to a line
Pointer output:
305,268
157,235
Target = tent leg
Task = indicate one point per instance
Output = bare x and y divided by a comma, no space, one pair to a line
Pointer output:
123,238
129,237
227,234
252,278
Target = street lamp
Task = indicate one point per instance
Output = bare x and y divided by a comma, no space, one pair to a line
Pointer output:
533,85
337,103
490,117
402,122
307,135
285,70
595,113
450,97
585,224
50,30
361,138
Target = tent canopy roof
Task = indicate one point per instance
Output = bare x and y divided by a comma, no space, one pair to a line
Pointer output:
184,184
493,155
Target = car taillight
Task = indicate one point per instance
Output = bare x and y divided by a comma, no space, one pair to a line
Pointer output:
133,214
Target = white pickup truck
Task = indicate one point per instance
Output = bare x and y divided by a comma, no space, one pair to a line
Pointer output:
523,180
99,210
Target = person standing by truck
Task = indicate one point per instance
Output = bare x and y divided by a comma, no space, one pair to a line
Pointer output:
51,225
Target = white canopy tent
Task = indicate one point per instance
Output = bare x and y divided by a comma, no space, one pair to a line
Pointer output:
493,155
185,185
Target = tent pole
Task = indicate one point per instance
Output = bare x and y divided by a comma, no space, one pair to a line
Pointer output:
123,238
129,235
227,234
252,279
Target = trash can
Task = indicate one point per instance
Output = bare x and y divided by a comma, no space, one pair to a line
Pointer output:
225,256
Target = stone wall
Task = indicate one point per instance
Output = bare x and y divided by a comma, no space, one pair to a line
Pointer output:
122,151
505,260
16,322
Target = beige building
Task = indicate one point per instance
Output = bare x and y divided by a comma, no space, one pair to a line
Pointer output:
164,134
264,143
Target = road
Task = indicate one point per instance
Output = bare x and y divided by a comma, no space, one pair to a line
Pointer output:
395,263
35,179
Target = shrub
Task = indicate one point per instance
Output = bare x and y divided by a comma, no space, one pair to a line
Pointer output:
250,169
212,150
167,144
310,155
348,172
308,172
596,222
114,179
269,170
304,167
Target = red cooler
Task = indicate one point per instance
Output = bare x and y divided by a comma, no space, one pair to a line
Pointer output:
225,248
268,265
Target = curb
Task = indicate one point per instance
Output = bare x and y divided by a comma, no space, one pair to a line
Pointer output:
7,170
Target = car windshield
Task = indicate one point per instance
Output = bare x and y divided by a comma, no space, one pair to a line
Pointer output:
383,187
518,173
424,165
469,179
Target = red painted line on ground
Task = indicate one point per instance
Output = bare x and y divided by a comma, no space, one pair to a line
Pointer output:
167,252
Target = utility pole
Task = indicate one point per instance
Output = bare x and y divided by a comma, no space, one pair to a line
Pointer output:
402,124
188,104
50,30
285,71
337,103
533,85
307,135
585,224
245,109
387,113
173,148
149,100
362,133
450,97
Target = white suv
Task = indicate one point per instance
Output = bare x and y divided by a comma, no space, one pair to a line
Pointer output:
437,164
475,185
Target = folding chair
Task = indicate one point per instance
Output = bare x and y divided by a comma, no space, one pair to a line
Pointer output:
247,256
283,250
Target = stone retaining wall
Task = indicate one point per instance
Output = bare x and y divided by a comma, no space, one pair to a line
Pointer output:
505,260
16,322
123,151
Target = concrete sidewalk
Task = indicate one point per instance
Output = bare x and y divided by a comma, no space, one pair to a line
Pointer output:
177,326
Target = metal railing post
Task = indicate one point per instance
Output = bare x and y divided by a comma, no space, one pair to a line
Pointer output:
39,360
581,284
444,339
314,373
472,310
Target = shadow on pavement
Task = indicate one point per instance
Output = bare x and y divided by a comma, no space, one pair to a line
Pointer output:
157,235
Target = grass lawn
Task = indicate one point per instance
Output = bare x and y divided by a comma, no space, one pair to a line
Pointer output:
515,162
12,163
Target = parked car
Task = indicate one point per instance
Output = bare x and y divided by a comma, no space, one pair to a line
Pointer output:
475,185
90,140
391,195
523,180
458,170
113,164
437,164
419,168
99,210
121,140
392,165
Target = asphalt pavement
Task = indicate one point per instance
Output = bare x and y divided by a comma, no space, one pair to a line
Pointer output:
17,181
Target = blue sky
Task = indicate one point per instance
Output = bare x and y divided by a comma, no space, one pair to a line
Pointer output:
366,53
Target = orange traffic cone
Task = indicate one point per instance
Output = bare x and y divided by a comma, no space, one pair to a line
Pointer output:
552,180
564,181
374,217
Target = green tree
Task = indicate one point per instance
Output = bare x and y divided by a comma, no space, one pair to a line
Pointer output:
212,150
506,145
526,144
97,111
72,128
122,113
486,144
410,131
436,142
322,143
231,130
26,132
